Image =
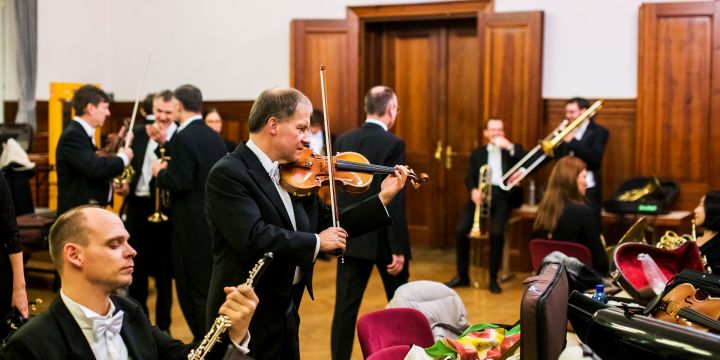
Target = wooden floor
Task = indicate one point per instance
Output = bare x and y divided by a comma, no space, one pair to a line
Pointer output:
316,316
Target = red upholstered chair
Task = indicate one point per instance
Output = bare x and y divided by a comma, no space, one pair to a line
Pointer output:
391,327
397,352
540,248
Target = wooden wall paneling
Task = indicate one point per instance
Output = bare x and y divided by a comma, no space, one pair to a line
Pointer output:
511,72
676,65
329,43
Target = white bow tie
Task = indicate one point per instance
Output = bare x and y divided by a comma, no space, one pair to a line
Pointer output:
275,173
104,327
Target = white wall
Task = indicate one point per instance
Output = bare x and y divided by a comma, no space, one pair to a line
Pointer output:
232,49
590,46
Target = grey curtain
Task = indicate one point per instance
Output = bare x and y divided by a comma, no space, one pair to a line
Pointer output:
26,23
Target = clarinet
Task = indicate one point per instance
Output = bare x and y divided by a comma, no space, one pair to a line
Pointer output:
222,322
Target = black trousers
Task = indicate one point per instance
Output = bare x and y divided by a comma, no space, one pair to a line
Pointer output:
499,214
352,279
152,241
274,334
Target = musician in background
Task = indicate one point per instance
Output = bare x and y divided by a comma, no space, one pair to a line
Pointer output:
83,176
563,215
500,154
387,248
151,240
146,109
588,143
195,149
251,214
89,247
214,121
707,215
317,133
12,276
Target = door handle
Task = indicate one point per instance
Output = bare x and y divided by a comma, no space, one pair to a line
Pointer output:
448,157
438,151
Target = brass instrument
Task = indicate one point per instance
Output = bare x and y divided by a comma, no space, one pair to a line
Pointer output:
128,172
482,210
652,187
158,216
671,240
544,149
222,322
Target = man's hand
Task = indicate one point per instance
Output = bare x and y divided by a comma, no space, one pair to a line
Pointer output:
503,143
157,166
240,304
121,189
570,136
397,264
333,238
392,184
156,132
476,196
127,151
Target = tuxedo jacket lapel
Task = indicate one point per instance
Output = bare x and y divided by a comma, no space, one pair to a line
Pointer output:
301,218
77,343
257,172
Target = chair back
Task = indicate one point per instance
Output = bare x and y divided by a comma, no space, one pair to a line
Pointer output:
540,248
391,327
398,352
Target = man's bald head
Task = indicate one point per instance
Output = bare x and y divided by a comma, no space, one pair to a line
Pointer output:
69,227
377,100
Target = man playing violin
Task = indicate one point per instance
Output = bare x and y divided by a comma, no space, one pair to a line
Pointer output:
84,176
387,248
250,214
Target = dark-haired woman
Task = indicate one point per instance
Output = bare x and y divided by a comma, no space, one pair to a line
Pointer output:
12,284
707,215
563,214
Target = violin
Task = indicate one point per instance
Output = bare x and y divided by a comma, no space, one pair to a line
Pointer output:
353,173
114,141
687,306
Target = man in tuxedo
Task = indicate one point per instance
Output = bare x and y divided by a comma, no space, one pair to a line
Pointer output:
83,176
89,247
151,240
317,133
388,248
195,149
251,214
500,154
588,143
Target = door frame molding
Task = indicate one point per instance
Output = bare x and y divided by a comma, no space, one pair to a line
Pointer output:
359,16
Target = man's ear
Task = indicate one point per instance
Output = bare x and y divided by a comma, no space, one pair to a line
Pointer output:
73,254
272,124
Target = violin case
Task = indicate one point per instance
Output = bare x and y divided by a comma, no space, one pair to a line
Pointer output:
657,203
627,270
614,333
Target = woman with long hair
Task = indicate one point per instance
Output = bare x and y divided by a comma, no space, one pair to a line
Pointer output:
12,284
707,215
564,215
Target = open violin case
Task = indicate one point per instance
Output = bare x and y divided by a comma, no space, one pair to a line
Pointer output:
627,270
627,329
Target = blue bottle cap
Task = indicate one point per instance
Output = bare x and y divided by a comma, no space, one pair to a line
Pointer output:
599,288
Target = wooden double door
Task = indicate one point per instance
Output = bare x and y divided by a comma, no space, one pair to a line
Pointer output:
449,75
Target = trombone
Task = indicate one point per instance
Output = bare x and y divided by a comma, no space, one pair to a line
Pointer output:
544,149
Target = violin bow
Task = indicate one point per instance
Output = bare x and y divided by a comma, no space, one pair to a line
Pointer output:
137,102
331,165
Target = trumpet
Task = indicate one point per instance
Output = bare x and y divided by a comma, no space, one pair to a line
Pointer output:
544,149
222,322
482,210
158,216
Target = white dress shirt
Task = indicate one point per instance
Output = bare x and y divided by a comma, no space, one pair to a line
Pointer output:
143,185
495,163
271,168
317,142
105,344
